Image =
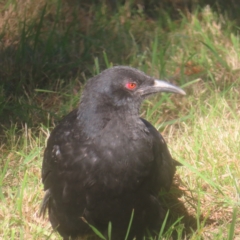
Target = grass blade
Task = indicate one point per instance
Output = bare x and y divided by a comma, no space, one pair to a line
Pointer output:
129,225
163,226
95,230
109,230
232,225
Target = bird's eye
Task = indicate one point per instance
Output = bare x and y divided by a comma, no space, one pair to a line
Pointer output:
131,85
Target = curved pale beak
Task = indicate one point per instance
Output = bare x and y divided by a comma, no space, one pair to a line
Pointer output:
162,86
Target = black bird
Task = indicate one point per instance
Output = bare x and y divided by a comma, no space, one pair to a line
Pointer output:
103,160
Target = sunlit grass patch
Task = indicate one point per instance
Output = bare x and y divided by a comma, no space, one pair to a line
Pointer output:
208,146
21,188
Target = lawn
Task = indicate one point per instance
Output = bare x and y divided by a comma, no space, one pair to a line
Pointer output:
48,51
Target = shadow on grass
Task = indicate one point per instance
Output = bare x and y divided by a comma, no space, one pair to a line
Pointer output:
173,200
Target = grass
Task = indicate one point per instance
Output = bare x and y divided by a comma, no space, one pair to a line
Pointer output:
50,50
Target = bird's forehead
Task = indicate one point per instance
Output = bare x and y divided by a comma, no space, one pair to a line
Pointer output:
124,72
132,73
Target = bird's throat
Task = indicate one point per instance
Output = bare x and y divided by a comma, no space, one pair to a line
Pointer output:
93,120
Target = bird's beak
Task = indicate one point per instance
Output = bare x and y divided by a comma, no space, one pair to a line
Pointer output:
159,86
162,86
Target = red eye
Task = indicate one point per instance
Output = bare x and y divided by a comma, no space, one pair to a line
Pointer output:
131,85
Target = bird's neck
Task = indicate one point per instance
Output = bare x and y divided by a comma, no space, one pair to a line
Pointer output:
93,117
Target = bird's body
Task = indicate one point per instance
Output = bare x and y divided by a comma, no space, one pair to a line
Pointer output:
102,161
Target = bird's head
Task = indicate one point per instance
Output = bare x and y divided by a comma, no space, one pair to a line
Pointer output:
124,87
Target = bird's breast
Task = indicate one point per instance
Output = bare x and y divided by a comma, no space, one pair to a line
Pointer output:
124,157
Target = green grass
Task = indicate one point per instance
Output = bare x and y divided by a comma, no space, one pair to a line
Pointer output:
48,51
